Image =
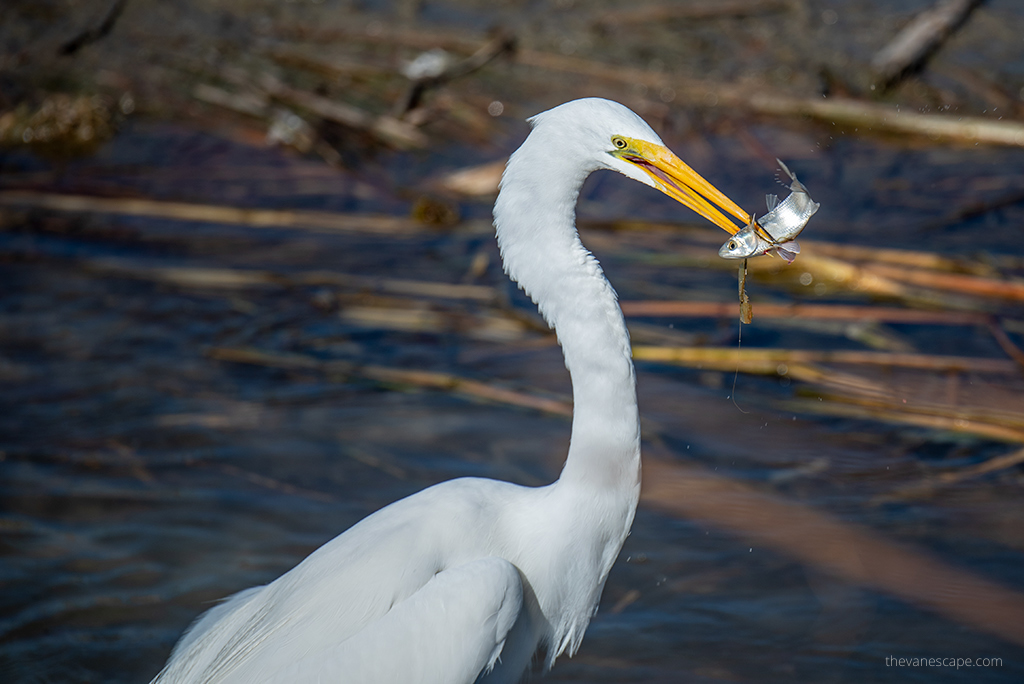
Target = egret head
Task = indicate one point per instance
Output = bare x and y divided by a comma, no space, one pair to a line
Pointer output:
613,137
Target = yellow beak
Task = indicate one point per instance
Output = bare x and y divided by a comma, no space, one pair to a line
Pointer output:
677,180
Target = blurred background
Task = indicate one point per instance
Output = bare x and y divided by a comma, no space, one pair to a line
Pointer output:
250,294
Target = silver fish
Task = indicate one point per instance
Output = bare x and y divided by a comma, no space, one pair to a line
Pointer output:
778,228
748,243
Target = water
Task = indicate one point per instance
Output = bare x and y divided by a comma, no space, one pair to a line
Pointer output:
142,479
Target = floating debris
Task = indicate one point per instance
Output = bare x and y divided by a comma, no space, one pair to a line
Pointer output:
746,311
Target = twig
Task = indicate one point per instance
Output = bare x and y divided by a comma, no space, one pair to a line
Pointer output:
209,213
892,414
96,33
958,416
727,358
883,118
229,278
920,39
398,376
902,257
1012,350
962,284
992,409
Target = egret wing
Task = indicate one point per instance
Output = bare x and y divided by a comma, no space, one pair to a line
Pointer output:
449,632
343,588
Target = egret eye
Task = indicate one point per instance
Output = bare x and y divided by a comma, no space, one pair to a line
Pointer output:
620,142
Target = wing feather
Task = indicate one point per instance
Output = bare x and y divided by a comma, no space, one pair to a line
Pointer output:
449,632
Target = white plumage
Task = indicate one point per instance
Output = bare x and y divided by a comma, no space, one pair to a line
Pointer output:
468,580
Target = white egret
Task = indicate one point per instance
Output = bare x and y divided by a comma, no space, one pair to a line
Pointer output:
470,579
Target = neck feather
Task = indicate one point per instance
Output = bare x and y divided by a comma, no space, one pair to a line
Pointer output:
536,229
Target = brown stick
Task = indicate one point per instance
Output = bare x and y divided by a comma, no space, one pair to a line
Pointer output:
1004,341
211,213
885,119
903,257
1010,417
891,414
963,284
920,39
728,358
230,278
400,376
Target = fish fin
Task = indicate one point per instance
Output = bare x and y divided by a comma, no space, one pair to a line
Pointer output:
788,253
785,168
772,201
796,185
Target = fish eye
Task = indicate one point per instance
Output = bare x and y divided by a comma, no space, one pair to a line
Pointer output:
732,244
619,142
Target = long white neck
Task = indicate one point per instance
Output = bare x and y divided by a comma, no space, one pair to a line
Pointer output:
535,220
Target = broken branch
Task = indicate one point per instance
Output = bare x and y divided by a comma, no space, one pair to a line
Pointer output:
920,39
